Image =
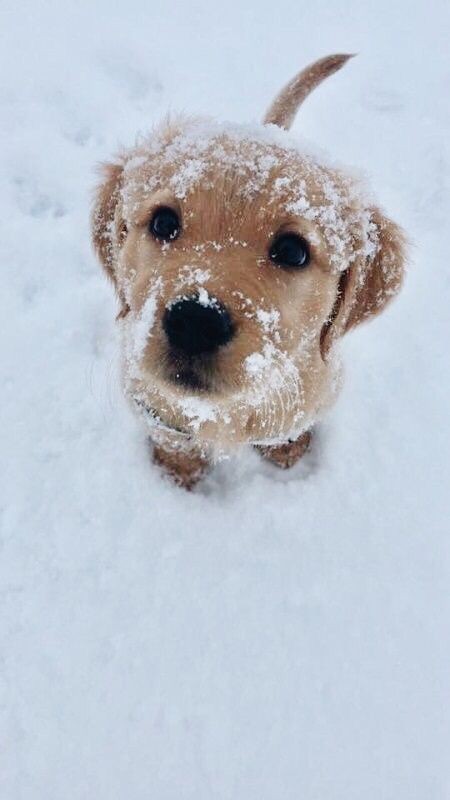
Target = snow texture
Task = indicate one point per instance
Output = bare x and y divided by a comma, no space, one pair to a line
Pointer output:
271,635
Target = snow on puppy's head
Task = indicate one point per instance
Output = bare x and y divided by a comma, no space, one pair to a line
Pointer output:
239,257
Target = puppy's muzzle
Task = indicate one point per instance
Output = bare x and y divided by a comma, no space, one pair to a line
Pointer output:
196,329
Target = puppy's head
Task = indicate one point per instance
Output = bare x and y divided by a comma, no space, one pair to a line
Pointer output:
239,259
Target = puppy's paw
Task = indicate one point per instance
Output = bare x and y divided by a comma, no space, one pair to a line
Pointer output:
286,455
185,467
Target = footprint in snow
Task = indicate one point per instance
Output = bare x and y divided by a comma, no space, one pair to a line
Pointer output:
385,102
35,203
136,83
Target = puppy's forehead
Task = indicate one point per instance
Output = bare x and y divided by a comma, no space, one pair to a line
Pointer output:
182,156
259,166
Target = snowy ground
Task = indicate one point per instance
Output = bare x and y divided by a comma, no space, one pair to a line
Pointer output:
272,636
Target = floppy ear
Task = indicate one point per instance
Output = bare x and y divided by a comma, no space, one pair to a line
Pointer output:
367,286
103,227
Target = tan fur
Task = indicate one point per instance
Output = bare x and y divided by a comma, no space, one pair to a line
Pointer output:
185,467
366,288
106,234
106,199
233,194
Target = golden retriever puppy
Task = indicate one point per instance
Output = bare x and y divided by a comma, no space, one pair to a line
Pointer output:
239,259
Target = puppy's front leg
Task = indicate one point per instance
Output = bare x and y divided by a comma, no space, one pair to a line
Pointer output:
287,454
186,464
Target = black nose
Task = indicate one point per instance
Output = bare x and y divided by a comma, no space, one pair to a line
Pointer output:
195,328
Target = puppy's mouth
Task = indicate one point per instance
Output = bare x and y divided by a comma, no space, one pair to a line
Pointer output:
195,373
155,419
190,379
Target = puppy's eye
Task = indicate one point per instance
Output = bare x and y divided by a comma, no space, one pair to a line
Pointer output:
289,250
165,224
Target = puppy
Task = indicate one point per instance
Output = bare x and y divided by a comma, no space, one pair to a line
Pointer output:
239,259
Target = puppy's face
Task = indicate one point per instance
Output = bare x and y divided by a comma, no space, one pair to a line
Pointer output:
238,261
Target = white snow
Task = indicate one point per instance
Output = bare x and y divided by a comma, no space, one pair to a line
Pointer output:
138,328
269,320
204,299
192,275
271,635
198,410
255,363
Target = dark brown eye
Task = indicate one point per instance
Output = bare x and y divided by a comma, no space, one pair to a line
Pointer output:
165,224
290,250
